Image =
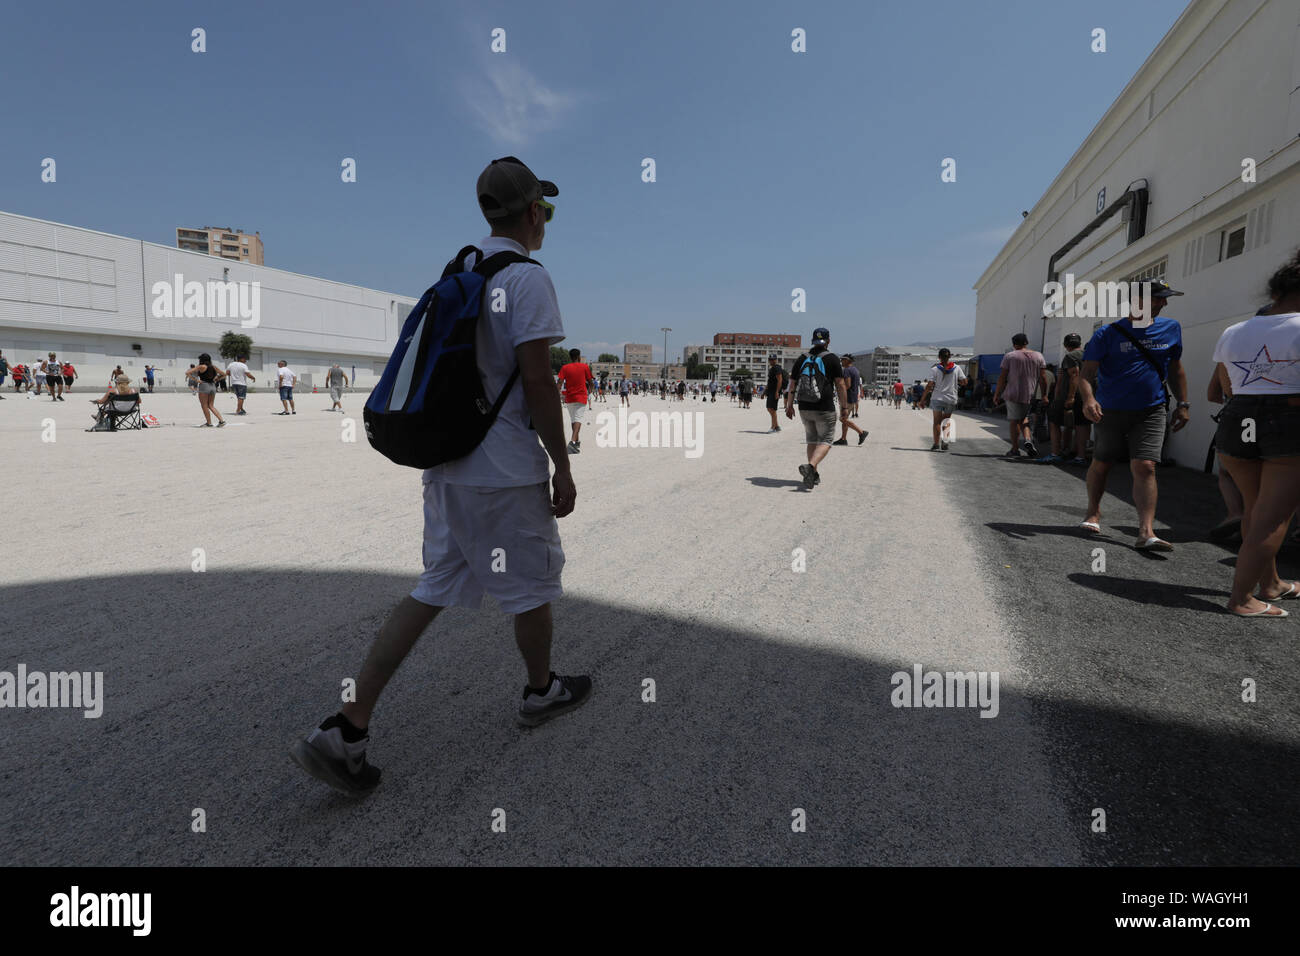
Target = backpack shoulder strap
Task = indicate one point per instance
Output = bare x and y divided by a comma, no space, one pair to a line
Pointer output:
494,263
1141,348
457,264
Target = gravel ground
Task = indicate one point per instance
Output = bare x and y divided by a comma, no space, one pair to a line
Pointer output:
1119,691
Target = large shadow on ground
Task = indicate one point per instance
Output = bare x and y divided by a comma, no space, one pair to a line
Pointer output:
209,676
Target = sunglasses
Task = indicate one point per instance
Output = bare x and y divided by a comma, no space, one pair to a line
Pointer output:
550,210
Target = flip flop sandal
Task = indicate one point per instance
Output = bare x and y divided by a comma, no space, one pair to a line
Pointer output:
1290,594
1091,526
1267,612
1154,544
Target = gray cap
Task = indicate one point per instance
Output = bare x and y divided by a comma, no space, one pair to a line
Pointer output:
507,187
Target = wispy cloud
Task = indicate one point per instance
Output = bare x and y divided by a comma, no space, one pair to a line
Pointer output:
511,104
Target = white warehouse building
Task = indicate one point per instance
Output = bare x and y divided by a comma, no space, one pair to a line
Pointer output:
1191,176
93,298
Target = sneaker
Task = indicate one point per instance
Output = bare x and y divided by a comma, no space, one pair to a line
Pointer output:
241,412
943,446
934,448
573,449
207,425
1080,462
809,476
1030,449
842,441
1012,453
222,423
62,399
294,412
328,757
562,695
863,437
1051,459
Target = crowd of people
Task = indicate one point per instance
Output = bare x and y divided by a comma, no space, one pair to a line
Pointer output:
44,375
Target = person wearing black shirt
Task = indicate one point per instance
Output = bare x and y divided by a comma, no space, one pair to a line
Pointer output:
775,383
818,368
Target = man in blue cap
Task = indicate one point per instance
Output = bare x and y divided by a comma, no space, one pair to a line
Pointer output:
815,381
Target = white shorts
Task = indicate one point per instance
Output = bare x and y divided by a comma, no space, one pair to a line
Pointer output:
501,541
577,412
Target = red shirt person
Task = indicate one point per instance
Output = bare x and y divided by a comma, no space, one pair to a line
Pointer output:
573,380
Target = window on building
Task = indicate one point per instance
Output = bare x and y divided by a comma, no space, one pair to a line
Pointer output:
1155,271
1232,240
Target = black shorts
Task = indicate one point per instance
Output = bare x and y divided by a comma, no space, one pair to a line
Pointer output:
1056,413
1276,428
67,380
771,401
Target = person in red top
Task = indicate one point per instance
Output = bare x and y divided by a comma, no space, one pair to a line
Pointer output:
898,394
573,380
69,375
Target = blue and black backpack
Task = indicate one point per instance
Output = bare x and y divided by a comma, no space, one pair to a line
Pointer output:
811,385
429,406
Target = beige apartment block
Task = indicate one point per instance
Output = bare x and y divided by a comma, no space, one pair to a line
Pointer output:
233,244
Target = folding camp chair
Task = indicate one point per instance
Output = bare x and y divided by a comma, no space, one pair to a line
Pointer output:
119,413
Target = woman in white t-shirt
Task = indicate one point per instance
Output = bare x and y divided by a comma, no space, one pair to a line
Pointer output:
1258,439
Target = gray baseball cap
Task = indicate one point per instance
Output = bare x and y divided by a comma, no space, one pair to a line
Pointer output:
507,187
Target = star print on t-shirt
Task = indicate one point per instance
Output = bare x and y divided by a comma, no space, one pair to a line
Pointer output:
1268,369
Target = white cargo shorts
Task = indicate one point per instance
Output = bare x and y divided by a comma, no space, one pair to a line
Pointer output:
504,542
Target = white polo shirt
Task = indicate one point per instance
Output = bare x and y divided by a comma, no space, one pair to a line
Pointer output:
511,454
238,373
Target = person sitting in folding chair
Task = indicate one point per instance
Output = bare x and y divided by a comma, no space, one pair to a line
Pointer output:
119,408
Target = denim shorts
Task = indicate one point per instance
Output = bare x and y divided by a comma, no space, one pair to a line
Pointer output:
1276,431
240,390
286,393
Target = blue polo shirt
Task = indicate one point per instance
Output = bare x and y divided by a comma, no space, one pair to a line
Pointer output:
1126,381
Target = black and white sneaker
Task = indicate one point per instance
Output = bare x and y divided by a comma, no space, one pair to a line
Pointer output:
1030,449
562,695
325,755
943,445
573,448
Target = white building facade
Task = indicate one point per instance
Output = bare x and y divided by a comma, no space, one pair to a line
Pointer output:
98,300
1192,176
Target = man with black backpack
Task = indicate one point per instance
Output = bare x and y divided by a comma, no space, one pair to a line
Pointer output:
489,521
815,381
1128,370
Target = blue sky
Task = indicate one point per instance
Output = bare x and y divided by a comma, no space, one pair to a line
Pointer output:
775,170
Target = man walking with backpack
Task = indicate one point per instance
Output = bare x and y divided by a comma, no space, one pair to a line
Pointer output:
1125,371
489,521
815,381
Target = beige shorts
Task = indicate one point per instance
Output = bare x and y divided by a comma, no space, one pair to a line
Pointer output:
577,412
